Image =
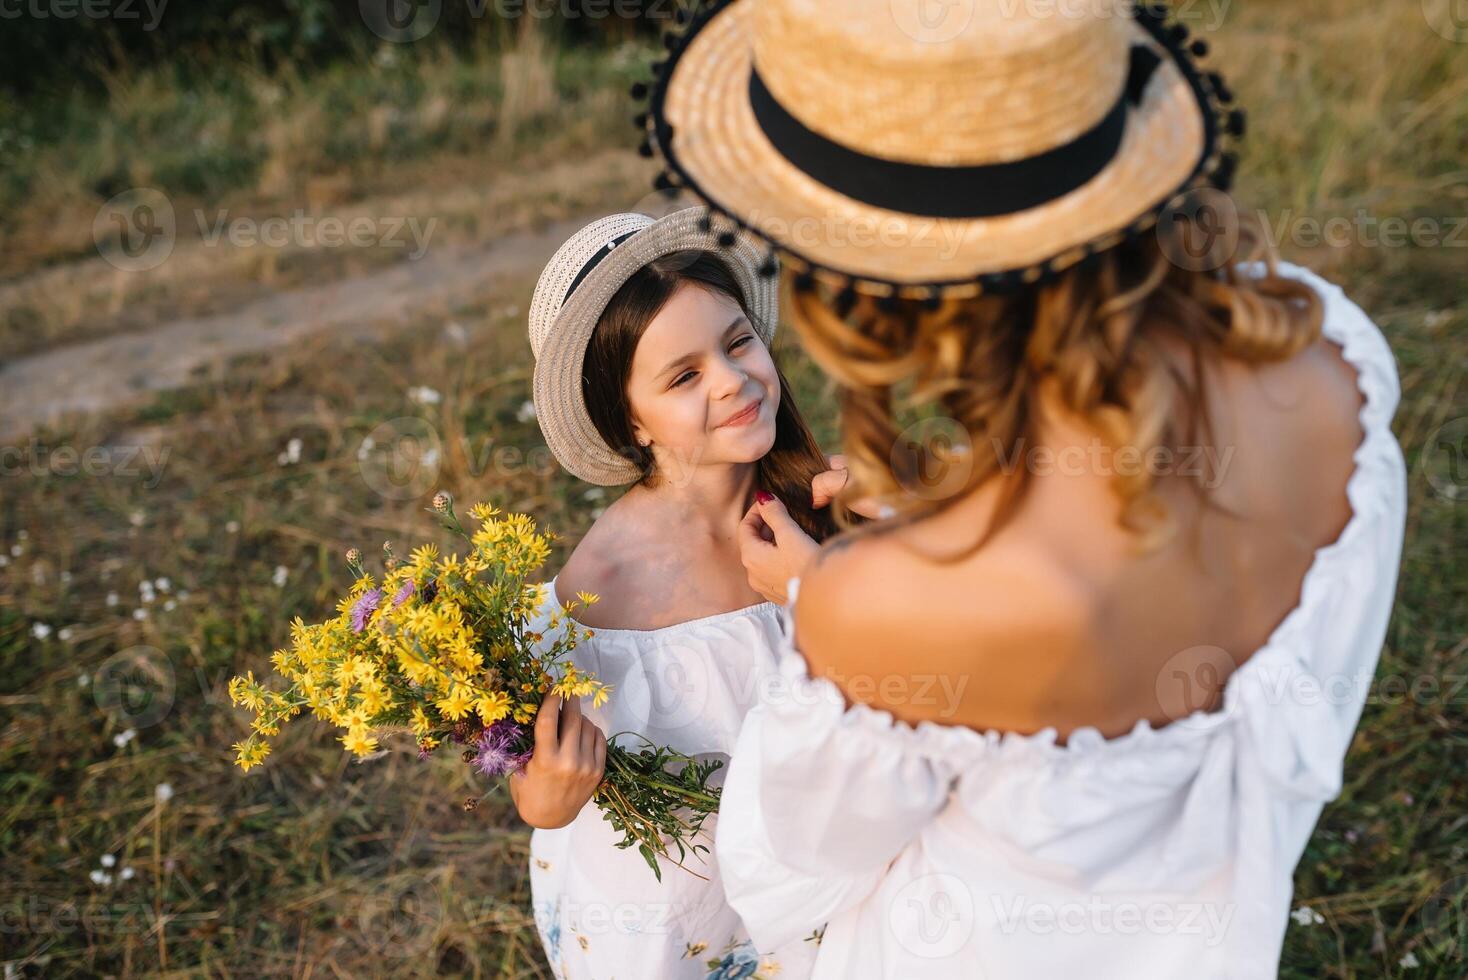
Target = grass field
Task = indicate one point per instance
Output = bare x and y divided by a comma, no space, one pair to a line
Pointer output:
128,597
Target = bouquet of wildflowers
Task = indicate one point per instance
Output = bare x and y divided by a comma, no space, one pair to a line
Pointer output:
442,648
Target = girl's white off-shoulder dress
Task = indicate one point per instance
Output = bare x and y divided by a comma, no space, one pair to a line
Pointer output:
601,913
937,851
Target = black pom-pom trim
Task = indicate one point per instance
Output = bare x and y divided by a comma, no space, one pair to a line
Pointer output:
663,182
638,90
804,282
657,67
640,120
1235,123
845,300
670,40
726,239
769,267
1199,48
888,303
705,224
644,149
933,300
680,16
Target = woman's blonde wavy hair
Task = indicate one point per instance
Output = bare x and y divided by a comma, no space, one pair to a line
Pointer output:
1093,328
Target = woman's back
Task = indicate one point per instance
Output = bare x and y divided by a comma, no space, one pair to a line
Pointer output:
975,843
1059,616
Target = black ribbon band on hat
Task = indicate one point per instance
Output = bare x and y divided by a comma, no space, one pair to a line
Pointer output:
980,191
595,260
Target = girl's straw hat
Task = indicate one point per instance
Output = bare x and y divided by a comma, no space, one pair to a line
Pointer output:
574,289
898,147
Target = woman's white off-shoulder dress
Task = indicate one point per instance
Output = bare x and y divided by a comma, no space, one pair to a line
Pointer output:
935,851
601,913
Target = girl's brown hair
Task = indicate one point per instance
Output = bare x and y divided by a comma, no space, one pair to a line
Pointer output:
1094,329
792,462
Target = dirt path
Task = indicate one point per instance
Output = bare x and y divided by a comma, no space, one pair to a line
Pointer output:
120,370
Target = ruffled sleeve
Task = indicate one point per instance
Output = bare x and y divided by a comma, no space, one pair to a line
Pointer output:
818,801
1300,703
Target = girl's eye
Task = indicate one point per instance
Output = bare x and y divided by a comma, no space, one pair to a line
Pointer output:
684,377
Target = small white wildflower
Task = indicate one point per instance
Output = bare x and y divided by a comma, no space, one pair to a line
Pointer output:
183,595
100,877
1306,916
140,614
163,792
424,395
233,527
280,576
510,311
22,535
65,577
127,873
107,860
169,605
367,443
162,584
40,630
595,493
65,634
1409,962
596,512
292,453
122,738
83,679
526,411
456,333
112,599
430,457
135,518
16,551
4,560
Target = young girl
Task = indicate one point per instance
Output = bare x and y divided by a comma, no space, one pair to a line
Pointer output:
653,368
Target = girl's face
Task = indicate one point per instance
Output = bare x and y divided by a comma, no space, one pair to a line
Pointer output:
703,388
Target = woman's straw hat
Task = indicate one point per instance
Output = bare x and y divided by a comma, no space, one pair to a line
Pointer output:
573,291
883,149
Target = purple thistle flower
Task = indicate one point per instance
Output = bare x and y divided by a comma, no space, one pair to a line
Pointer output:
403,593
496,749
363,609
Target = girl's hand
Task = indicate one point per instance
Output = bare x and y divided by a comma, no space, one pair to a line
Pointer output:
773,548
565,765
824,487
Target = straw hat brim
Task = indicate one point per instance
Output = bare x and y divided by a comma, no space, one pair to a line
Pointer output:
719,151
560,402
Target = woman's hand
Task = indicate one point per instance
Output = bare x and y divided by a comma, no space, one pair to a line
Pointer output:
565,766
825,486
773,547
